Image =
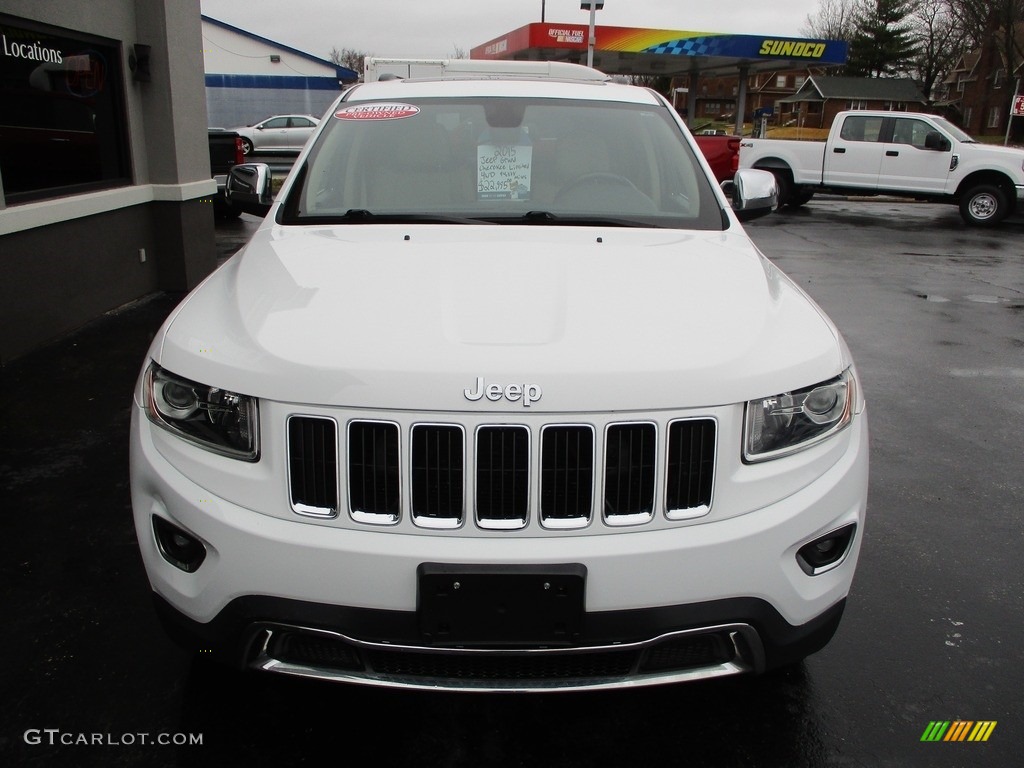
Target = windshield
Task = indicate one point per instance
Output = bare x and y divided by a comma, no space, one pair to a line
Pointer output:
504,160
952,130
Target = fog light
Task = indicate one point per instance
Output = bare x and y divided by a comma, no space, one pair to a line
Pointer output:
826,552
180,549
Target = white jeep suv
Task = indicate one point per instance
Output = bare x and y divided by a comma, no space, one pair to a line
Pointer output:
500,396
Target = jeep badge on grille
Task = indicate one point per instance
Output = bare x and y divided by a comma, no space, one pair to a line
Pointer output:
528,393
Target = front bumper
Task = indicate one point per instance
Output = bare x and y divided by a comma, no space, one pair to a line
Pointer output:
682,643
715,598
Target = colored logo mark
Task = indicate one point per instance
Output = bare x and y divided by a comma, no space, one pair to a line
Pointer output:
958,730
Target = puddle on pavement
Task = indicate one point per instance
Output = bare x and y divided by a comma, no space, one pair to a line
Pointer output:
974,297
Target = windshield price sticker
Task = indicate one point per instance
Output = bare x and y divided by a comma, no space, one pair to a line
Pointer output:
377,112
503,171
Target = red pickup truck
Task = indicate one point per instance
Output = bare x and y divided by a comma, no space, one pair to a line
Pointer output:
722,153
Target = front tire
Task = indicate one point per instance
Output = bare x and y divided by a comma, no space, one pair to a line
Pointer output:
246,146
984,205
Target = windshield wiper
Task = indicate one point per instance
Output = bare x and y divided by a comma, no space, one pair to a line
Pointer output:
364,216
571,220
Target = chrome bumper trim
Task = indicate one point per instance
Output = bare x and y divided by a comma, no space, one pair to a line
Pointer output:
749,657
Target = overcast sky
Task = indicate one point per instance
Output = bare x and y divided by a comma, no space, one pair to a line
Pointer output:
436,28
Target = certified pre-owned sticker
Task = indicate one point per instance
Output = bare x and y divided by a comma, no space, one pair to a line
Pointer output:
386,111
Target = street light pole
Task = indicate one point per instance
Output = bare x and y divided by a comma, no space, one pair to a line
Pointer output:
590,37
594,6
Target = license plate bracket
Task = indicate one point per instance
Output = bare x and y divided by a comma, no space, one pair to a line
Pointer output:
500,605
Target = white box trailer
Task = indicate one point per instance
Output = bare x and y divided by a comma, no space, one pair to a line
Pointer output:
383,68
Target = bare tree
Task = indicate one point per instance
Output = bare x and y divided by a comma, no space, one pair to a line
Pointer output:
1003,19
349,57
941,42
835,20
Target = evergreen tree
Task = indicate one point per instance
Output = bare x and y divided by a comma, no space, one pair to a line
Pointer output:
883,42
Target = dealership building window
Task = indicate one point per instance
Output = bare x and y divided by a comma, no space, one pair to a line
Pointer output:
62,120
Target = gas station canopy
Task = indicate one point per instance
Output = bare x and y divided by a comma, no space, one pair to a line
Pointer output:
640,51
668,52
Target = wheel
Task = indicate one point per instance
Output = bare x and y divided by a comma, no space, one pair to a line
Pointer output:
784,185
246,146
984,205
799,197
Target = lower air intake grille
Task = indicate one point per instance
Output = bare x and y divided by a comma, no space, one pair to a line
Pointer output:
683,652
688,652
493,668
314,651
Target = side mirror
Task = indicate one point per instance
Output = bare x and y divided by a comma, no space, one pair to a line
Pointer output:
936,141
249,188
753,193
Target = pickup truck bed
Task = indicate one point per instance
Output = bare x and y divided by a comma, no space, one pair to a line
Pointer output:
721,152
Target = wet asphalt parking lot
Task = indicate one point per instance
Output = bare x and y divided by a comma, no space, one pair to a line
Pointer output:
934,315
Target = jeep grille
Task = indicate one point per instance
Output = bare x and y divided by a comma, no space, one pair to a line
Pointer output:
562,466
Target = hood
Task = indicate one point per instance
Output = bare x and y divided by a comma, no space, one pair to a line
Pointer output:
425,317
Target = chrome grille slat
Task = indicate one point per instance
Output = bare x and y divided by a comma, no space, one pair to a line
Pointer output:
374,469
437,472
691,460
567,472
630,460
313,465
502,475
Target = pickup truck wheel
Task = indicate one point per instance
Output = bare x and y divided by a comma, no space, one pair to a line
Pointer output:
984,205
799,197
784,184
246,146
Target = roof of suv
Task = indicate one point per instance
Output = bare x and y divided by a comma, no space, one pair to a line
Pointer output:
476,68
501,85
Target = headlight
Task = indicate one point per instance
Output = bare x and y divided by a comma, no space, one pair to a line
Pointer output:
215,419
789,422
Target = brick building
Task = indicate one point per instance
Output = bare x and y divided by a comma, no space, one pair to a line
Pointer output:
979,89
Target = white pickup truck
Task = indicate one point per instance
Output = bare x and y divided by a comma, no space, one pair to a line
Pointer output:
895,153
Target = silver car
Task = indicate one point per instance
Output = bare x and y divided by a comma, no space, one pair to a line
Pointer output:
280,133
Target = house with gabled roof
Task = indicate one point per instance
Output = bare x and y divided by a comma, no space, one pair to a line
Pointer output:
980,87
821,98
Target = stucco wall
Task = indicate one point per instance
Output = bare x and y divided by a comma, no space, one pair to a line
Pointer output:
67,259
